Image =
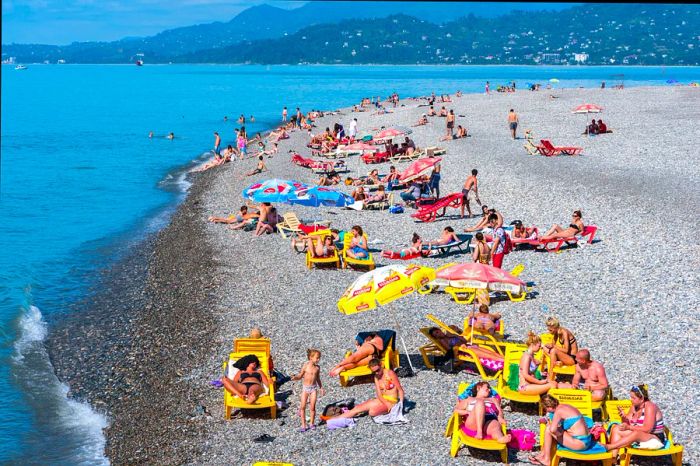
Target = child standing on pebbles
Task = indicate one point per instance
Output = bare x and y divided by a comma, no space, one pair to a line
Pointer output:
310,375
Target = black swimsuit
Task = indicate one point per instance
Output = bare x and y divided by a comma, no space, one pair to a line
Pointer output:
250,375
574,226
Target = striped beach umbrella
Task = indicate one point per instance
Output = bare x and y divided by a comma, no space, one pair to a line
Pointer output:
273,190
588,108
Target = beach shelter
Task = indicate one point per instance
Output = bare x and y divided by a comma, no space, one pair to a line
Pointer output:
358,147
383,285
420,167
588,108
475,275
273,190
316,196
388,133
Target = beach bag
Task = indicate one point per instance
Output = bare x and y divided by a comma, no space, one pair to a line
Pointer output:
522,440
334,409
396,209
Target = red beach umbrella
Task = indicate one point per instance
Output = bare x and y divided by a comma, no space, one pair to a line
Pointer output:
419,168
588,108
359,147
388,133
478,276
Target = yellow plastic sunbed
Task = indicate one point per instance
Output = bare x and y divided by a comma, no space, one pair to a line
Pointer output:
390,360
312,260
265,401
347,260
512,355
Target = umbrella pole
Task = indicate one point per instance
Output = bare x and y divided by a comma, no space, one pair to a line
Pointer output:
403,343
471,342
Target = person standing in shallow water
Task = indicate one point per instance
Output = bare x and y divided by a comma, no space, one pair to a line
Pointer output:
488,88
217,142
513,122
284,114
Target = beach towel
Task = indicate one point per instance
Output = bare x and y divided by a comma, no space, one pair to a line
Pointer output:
394,417
340,423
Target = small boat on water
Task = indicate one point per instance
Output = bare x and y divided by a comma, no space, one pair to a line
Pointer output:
20,67
139,62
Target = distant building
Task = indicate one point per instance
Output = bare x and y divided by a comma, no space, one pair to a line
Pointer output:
9,61
550,58
580,57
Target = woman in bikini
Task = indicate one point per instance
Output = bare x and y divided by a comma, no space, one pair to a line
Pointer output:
248,381
448,236
318,248
483,412
482,252
529,384
574,228
388,389
358,248
372,347
455,342
564,347
484,321
643,422
565,426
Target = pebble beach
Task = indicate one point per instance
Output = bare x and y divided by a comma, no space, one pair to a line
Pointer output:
630,297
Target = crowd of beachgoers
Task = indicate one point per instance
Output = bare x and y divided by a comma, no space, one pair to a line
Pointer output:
584,341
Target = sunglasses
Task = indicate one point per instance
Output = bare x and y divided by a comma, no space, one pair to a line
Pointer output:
636,390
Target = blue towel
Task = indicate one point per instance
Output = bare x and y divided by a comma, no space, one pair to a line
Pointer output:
594,450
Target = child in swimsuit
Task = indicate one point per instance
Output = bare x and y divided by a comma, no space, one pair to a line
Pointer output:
310,375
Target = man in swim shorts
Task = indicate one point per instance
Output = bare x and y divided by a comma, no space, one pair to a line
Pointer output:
513,122
590,375
470,185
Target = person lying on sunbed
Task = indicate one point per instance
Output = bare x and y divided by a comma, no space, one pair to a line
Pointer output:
371,347
574,228
377,198
483,412
484,321
484,222
529,384
318,248
330,178
245,214
248,381
454,343
423,120
388,389
415,249
359,194
448,236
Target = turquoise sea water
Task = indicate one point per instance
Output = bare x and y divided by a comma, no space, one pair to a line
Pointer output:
81,181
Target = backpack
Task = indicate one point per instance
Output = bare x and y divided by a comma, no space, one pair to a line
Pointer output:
396,209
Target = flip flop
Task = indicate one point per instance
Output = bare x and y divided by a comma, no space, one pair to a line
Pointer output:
534,460
303,429
264,438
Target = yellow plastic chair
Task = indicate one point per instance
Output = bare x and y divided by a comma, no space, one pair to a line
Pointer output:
498,333
254,345
512,355
389,359
289,227
483,339
271,463
459,438
548,339
672,449
264,401
366,262
311,260
581,400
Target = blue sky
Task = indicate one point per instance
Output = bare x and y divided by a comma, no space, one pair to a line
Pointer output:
64,21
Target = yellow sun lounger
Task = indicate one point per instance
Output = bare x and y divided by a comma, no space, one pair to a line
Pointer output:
485,339
674,450
434,348
581,400
389,359
312,260
547,339
290,226
254,345
459,438
467,295
512,356
366,262
264,401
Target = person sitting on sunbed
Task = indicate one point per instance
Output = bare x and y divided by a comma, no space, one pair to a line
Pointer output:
574,228
644,422
267,223
562,351
388,389
484,321
392,179
448,236
259,168
245,214
377,198
413,192
248,381
358,248
423,120
408,146
529,384
371,347
359,194
484,222
454,343
519,231
565,426
483,412
318,248
330,178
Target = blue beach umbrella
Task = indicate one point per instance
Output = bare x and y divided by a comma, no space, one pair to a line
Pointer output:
274,190
320,196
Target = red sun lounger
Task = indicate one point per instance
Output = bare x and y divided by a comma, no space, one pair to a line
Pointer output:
375,157
553,245
556,150
429,212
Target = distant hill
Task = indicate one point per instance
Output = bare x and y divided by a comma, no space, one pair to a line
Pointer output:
592,33
255,23
588,33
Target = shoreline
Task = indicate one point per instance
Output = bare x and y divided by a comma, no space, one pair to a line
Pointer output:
198,293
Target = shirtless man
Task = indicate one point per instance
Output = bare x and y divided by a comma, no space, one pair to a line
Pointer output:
217,143
470,185
431,111
512,121
450,125
589,375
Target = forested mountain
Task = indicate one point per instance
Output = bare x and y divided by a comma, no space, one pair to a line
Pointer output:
588,33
